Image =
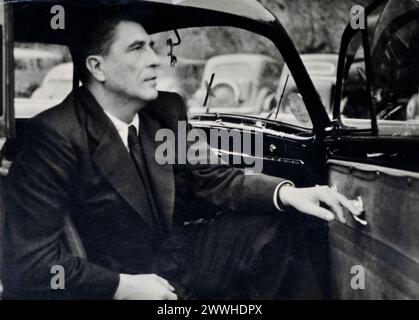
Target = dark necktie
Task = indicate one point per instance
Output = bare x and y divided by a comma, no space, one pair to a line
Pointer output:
137,156
133,140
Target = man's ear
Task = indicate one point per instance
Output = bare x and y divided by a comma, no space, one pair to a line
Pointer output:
94,64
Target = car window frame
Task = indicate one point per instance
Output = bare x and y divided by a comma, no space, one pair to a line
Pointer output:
7,128
348,35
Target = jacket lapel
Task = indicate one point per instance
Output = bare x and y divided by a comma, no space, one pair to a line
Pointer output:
113,159
161,176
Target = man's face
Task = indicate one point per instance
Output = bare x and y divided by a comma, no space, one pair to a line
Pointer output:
130,66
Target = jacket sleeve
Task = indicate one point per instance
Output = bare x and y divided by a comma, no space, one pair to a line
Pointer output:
224,186
40,194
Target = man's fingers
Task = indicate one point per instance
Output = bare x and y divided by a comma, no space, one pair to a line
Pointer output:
327,196
171,296
319,212
348,204
166,283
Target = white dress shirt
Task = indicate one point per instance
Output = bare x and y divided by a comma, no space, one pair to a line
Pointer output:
122,127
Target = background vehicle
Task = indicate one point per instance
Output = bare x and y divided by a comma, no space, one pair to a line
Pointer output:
36,59
242,83
57,83
368,150
322,69
31,64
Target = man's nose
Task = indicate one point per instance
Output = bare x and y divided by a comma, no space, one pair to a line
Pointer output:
154,60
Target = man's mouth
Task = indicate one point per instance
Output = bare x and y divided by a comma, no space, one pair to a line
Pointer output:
151,79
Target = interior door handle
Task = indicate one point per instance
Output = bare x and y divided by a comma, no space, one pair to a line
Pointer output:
359,204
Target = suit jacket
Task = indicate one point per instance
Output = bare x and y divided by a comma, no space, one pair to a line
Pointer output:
74,164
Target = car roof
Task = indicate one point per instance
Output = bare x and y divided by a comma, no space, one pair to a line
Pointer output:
28,53
154,15
247,8
239,57
319,65
319,56
252,63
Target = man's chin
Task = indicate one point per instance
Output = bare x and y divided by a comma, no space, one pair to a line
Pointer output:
150,96
154,95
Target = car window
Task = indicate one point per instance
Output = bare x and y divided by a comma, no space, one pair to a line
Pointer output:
355,99
246,69
396,68
394,80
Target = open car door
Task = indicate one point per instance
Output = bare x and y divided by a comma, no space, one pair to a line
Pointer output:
6,96
373,156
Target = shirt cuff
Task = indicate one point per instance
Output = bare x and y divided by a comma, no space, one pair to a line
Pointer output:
276,194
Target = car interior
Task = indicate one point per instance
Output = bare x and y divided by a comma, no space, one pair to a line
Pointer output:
344,152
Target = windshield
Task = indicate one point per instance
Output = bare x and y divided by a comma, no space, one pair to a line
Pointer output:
235,71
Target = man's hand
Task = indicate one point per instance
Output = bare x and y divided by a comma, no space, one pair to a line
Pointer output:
308,200
144,287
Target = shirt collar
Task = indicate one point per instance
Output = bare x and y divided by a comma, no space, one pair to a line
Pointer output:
122,127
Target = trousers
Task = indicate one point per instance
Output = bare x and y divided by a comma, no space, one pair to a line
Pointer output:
239,256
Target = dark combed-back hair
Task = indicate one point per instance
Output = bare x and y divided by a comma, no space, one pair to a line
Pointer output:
95,38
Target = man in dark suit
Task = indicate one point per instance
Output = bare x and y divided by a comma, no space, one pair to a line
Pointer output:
92,158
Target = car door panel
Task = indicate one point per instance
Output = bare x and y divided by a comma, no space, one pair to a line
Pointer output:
387,247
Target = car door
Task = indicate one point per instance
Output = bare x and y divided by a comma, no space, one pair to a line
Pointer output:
373,156
6,96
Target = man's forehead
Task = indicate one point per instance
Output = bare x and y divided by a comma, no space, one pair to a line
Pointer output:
129,31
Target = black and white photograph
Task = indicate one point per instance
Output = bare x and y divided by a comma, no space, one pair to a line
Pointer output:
211,150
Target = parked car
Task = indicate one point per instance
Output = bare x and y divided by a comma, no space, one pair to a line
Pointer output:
242,83
31,64
366,148
36,59
57,83
322,68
